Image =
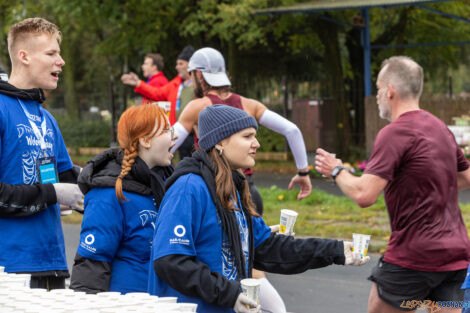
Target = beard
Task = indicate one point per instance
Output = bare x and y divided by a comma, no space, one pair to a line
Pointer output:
385,111
198,91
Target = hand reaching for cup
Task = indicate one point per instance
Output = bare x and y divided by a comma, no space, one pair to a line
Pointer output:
353,258
325,162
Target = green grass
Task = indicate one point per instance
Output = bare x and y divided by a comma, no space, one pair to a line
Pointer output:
325,216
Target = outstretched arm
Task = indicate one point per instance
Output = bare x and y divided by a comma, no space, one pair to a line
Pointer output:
283,126
363,190
146,90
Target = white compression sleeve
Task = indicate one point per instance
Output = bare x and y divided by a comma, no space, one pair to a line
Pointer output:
182,134
292,133
269,298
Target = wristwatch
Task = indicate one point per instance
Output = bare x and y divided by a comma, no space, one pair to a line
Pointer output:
335,172
303,173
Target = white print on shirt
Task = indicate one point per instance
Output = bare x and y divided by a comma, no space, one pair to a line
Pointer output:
89,240
32,153
146,216
179,231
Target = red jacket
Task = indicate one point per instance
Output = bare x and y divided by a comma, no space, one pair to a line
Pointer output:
157,80
169,92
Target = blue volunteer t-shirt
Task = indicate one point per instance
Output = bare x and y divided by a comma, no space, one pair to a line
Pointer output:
33,243
188,224
120,234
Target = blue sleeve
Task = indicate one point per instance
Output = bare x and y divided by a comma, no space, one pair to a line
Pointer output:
261,231
64,163
102,225
179,219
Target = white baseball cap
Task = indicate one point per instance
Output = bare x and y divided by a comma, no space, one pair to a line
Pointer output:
211,63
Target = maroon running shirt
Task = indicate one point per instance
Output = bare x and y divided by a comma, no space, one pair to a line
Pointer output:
419,157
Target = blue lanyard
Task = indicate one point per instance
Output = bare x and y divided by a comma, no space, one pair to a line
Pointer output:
32,119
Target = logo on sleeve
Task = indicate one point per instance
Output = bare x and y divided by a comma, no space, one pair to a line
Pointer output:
179,231
89,240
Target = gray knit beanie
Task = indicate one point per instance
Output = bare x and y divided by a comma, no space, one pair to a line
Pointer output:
220,121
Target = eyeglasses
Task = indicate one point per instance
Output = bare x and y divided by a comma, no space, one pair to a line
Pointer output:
171,130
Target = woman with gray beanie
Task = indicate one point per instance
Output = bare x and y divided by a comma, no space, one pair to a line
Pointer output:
208,235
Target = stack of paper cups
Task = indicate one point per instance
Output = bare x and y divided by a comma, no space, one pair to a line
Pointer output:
288,218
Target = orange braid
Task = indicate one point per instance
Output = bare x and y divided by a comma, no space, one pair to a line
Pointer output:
137,122
127,162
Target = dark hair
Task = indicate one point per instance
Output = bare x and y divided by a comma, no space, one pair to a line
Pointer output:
225,187
157,60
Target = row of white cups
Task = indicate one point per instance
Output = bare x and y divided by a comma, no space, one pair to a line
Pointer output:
17,297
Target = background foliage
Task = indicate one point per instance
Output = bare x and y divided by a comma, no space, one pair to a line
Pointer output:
271,58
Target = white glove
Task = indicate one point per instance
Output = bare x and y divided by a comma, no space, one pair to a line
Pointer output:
69,195
353,258
275,228
246,305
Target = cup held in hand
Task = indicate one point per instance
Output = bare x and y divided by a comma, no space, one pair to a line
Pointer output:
288,218
361,244
250,287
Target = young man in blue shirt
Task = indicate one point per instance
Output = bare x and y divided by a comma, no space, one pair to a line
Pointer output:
32,151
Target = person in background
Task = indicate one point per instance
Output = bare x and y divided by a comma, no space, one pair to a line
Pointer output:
208,234
123,188
152,69
178,91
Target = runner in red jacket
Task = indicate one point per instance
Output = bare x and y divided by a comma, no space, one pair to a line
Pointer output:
178,91
152,70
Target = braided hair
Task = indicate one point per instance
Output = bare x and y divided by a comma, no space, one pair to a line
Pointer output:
135,123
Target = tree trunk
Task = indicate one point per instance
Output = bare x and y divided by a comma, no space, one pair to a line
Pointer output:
356,84
71,103
328,34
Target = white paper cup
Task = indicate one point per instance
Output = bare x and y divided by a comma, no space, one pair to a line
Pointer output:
250,287
286,226
361,244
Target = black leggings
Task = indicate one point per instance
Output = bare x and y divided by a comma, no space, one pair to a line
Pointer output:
255,196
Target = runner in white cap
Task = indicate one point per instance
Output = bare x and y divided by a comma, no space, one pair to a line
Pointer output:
212,86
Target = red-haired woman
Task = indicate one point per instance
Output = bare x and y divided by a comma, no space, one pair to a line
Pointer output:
123,188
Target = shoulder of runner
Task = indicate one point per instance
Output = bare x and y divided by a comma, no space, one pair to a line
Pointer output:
253,107
189,116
